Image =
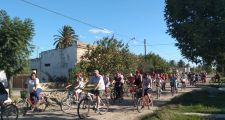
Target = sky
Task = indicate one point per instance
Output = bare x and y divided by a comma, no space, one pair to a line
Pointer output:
125,19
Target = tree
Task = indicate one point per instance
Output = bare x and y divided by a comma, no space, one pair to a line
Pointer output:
15,44
199,28
109,56
152,62
181,64
66,38
173,63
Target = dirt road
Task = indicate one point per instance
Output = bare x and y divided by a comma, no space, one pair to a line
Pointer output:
117,111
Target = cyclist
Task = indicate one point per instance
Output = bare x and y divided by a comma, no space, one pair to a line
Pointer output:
118,85
79,86
76,87
107,84
146,87
183,79
173,82
158,83
99,87
34,88
138,79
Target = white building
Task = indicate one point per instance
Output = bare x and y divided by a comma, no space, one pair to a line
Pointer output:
58,62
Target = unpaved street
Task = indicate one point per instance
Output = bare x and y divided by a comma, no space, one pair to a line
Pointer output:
117,111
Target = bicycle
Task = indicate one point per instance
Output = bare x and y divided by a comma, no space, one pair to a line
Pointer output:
88,102
69,102
117,93
183,85
158,91
9,111
134,94
27,104
144,101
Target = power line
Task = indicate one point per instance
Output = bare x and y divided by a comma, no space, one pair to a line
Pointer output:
60,14
155,44
88,24
74,19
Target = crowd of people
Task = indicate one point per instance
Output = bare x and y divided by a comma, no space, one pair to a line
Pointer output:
105,84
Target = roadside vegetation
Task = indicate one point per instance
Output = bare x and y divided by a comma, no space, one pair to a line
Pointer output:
207,100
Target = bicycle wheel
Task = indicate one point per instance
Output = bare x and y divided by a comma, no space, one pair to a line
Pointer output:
67,103
140,105
83,108
113,96
172,91
42,104
104,106
52,104
150,103
134,100
22,106
9,112
158,92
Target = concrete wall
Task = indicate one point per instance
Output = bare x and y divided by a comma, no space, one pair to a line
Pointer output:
58,62
55,63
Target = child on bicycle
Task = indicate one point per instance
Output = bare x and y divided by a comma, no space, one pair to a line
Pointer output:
76,87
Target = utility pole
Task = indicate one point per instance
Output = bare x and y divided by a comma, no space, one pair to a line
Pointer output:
145,48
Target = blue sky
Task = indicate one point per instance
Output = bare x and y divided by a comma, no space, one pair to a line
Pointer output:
142,19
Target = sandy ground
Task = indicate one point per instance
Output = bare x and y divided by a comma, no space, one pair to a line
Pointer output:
117,111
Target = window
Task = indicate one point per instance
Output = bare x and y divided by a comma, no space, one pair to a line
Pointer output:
47,65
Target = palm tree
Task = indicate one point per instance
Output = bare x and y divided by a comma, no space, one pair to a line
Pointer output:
66,37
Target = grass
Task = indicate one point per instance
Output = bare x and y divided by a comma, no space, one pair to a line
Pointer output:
170,115
208,100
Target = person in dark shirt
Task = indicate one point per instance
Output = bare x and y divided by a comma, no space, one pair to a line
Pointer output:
3,93
138,79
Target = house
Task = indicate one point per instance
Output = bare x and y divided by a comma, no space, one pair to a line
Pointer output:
58,62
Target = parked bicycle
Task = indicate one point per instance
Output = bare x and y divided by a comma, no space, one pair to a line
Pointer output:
8,111
88,102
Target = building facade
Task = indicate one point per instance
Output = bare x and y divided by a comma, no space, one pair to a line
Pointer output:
58,62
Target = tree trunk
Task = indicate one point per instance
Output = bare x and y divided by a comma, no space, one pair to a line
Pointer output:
10,84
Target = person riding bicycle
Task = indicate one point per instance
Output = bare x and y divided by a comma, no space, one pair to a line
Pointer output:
118,87
34,88
173,81
3,94
77,86
99,87
131,81
146,87
138,79
107,84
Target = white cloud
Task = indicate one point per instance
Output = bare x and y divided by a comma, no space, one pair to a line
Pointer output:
82,36
96,31
97,37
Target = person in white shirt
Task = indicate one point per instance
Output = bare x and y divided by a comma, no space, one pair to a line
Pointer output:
99,87
78,88
146,87
34,87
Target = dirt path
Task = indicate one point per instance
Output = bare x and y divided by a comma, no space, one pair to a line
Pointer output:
117,111
125,110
